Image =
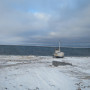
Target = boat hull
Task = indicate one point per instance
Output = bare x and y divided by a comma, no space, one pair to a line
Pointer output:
59,55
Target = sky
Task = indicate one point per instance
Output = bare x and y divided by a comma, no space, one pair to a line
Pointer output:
45,22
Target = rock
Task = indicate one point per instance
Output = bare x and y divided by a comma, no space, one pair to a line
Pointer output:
58,63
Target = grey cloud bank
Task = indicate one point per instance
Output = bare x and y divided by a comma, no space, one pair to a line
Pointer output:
44,22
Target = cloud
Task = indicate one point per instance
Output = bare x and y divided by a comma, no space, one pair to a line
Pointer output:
76,26
44,21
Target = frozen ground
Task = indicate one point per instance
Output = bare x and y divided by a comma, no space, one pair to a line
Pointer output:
38,73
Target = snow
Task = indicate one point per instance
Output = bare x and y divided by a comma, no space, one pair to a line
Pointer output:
38,73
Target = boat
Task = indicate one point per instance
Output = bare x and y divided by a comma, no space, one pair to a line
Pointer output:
58,53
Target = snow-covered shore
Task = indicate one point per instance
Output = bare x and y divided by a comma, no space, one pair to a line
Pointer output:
38,73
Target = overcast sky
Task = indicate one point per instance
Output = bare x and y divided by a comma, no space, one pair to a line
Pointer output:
44,22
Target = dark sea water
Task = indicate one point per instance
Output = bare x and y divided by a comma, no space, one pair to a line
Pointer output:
41,51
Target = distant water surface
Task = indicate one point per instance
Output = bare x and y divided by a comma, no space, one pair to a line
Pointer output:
41,51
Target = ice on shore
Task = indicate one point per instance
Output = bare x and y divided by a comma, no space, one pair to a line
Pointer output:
38,73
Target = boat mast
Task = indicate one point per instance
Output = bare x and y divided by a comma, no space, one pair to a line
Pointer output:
59,45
